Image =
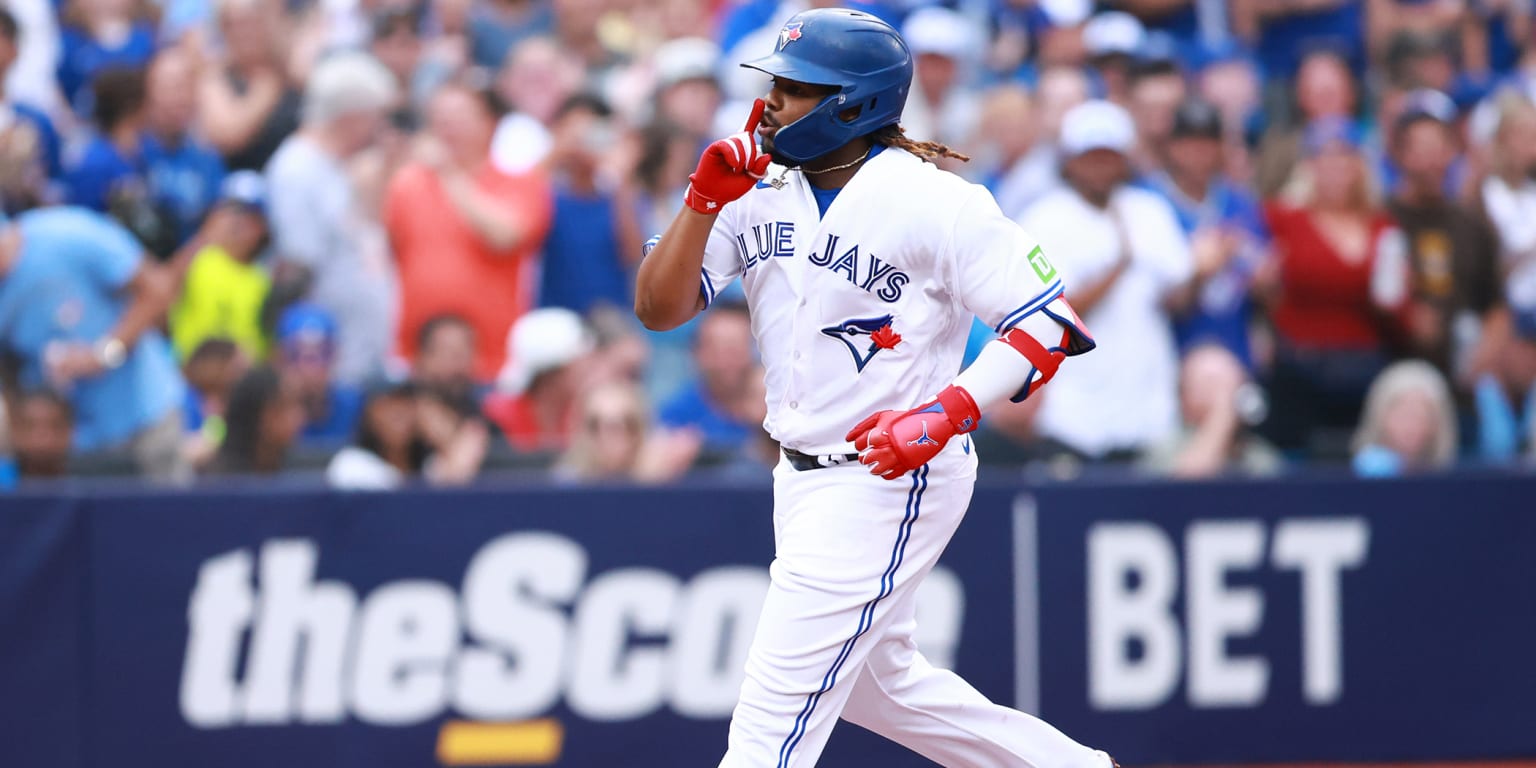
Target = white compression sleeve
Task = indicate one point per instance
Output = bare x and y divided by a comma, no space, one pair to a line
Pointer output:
999,372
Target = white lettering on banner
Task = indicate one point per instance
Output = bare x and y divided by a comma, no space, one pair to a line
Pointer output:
1119,612
527,628
1134,636
1217,612
1321,549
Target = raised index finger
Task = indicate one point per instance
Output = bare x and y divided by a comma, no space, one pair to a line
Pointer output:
757,116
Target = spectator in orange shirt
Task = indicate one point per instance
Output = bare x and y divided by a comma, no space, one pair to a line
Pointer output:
463,232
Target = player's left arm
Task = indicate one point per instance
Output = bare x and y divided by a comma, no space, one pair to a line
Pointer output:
1000,274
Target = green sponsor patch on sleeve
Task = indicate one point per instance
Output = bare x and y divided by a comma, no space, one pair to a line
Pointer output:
1042,265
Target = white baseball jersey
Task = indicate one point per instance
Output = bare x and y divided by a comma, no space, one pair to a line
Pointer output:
863,309
904,245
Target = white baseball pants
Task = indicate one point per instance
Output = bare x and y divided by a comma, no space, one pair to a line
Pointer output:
835,636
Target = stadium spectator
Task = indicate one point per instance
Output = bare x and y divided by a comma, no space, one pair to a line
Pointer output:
1285,32
463,232
1113,41
317,221
1005,134
183,172
687,94
306,353
496,27
1453,251
718,402
394,39
1228,238
1423,60
1038,172
1218,405
42,427
456,437
407,432
388,449
1508,194
29,143
536,391
111,163
613,441
84,304
1122,250
1338,281
941,106
211,371
1325,90
247,103
1409,423
1157,88
265,416
97,35
225,287
445,356
587,257
1494,40
537,78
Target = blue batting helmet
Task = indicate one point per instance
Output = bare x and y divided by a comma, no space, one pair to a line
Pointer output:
860,55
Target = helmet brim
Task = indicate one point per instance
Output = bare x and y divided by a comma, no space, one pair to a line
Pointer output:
800,71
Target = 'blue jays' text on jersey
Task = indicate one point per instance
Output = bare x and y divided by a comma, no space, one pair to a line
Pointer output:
868,307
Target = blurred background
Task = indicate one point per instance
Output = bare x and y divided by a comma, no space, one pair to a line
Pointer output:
385,243
387,246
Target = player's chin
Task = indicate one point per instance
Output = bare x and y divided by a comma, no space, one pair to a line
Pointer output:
772,153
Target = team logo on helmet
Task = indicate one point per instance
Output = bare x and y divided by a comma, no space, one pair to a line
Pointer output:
789,34
877,329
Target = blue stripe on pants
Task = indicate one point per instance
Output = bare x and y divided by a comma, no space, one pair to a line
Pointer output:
866,617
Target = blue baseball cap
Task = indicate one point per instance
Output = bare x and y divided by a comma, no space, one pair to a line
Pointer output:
245,188
306,326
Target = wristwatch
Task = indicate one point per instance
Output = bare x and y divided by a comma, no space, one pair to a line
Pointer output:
111,352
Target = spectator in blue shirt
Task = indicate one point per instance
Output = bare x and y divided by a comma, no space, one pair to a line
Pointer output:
97,35
184,172
586,258
1226,229
717,401
78,308
306,341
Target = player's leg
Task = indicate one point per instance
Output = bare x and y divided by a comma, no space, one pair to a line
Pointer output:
850,546
935,713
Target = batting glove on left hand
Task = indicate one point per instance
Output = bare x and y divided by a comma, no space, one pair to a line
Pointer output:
893,443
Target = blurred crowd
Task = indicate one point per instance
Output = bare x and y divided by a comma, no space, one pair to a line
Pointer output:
391,242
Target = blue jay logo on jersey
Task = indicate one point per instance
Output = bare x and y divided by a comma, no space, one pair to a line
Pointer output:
864,337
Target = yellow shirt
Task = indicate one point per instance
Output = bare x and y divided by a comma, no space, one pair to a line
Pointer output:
222,298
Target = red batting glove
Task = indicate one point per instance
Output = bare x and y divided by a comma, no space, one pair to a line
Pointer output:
728,168
892,444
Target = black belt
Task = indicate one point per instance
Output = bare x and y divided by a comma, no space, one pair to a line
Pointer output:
804,461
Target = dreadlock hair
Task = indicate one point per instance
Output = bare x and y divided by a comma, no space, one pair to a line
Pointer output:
894,135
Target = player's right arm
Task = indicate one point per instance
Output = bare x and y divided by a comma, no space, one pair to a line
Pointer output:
667,284
668,289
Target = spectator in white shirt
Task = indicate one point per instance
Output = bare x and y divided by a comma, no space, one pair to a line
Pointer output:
1126,263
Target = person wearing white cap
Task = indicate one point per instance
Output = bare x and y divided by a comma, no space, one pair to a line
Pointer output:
1113,41
317,223
687,94
941,106
1127,260
538,386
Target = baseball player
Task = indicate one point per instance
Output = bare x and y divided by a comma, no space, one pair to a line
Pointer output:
863,266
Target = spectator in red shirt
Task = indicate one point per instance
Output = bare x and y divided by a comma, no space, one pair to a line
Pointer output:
1339,279
463,232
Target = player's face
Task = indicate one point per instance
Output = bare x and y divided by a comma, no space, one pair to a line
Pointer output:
786,102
